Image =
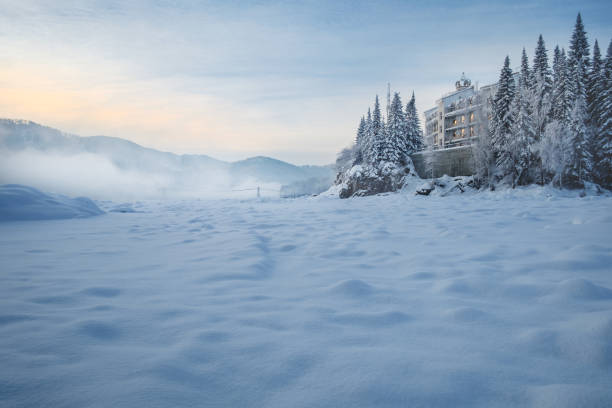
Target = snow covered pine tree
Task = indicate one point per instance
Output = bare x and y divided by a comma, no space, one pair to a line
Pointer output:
501,123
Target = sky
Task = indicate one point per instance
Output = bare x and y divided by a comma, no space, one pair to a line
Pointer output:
234,79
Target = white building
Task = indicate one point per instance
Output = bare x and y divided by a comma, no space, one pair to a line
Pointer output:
459,116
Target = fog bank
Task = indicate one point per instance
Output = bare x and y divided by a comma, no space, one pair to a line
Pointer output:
95,176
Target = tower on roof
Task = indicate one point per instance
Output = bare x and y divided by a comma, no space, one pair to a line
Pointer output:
463,83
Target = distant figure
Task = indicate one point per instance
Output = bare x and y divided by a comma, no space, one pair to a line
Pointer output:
258,195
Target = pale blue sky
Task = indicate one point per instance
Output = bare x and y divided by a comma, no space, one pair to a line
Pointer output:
232,79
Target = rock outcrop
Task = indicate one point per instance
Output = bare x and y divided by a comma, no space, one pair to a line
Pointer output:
364,180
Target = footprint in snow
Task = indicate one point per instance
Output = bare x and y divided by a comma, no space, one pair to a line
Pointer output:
422,275
99,330
214,337
371,319
106,292
467,314
353,288
54,300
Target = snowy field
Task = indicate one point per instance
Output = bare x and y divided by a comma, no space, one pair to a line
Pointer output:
485,300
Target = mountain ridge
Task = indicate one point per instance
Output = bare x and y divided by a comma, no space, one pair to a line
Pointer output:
19,134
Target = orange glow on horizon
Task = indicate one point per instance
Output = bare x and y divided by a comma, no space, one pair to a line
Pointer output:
151,113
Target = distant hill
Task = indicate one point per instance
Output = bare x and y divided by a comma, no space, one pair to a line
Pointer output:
21,135
273,170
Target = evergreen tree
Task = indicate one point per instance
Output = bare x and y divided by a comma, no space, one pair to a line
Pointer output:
604,140
595,86
378,134
501,121
521,153
595,98
525,77
540,102
578,58
396,130
541,69
580,162
556,146
556,77
561,94
580,135
368,148
360,141
386,152
414,133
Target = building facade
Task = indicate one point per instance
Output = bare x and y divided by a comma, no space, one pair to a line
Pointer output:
459,116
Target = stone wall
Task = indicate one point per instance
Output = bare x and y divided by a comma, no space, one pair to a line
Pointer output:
457,161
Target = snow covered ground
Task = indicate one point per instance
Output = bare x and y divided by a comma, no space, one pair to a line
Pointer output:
500,299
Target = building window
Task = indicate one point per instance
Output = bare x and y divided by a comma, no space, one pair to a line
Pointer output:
462,118
471,131
463,132
454,122
472,117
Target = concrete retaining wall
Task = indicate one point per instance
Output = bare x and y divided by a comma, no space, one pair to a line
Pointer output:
457,161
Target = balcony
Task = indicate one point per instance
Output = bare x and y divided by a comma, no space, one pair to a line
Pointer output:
464,141
458,111
459,125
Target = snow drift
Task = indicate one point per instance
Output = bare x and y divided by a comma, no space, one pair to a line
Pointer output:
19,202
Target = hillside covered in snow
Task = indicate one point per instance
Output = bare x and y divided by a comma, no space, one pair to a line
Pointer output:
109,167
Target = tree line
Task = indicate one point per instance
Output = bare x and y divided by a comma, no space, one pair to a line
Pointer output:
551,126
389,140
